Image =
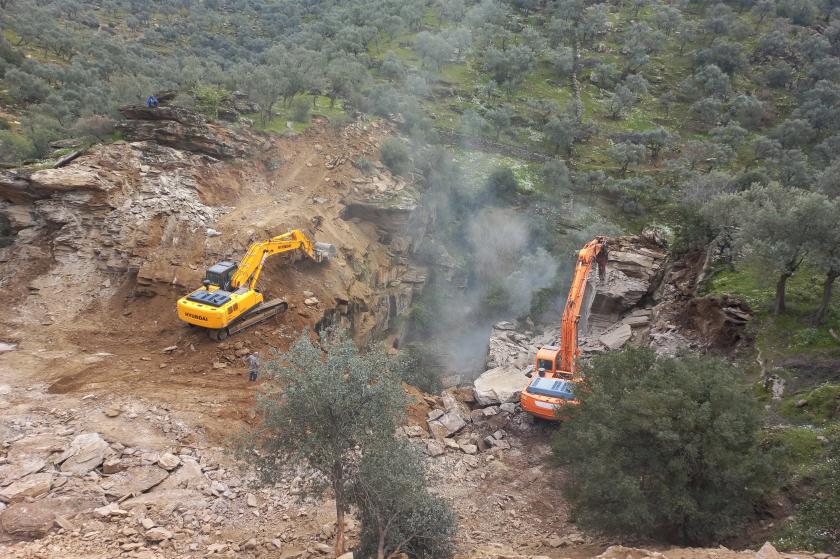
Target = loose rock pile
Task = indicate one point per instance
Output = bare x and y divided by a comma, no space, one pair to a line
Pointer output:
459,425
70,492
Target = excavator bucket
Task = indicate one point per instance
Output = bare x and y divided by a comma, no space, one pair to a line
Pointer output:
324,251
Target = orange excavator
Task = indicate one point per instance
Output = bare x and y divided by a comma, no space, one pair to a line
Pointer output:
557,367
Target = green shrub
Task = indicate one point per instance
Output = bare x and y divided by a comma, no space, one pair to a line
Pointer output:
94,126
14,147
364,165
395,156
793,451
208,98
300,109
663,448
502,183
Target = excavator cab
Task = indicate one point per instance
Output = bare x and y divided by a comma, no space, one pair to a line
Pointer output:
548,359
220,275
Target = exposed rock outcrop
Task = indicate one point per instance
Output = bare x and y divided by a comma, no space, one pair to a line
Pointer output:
182,129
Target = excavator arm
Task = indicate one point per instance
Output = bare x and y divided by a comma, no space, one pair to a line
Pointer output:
548,393
229,301
595,251
251,265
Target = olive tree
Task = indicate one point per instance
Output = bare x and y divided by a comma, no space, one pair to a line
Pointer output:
626,154
556,175
662,447
826,253
323,409
397,512
768,222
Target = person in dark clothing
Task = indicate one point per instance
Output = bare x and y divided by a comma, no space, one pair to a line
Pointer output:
151,101
253,366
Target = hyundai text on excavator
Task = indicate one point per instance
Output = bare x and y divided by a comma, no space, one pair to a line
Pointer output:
557,367
230,301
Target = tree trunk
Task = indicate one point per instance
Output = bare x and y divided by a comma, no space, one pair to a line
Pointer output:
575,83
339,525
338,489
828,286
779,304
380,549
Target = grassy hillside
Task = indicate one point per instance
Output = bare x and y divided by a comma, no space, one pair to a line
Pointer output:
718,120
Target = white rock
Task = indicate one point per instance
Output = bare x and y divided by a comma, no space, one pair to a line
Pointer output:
158,535
86,452
616,337
168,461
434,447
499,385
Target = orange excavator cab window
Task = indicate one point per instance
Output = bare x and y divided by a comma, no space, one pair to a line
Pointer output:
545,364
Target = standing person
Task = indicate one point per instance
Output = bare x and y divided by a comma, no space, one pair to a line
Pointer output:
151,101
254,366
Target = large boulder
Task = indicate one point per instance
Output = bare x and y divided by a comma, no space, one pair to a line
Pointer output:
33,485
86,452
24,521
208,140
616,337
499,385
447,424
28,520
66,179
180,128
171,112
134,481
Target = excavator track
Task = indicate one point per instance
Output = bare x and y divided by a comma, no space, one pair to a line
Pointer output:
254,316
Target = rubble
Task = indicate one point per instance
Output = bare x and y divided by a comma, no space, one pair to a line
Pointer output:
86,452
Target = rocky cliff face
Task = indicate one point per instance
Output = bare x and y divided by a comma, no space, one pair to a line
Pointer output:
644,300
182,129
138,221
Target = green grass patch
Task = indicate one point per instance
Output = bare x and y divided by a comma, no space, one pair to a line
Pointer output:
794,451
822,404
283,122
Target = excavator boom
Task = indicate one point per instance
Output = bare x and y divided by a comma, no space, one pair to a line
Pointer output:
579,299
250,267
557,366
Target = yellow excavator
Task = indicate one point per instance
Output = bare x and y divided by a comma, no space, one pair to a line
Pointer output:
229,301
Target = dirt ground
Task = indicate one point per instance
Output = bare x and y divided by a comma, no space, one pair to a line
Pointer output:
87,341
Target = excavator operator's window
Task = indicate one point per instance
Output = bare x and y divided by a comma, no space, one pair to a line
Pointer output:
545,364
220,274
